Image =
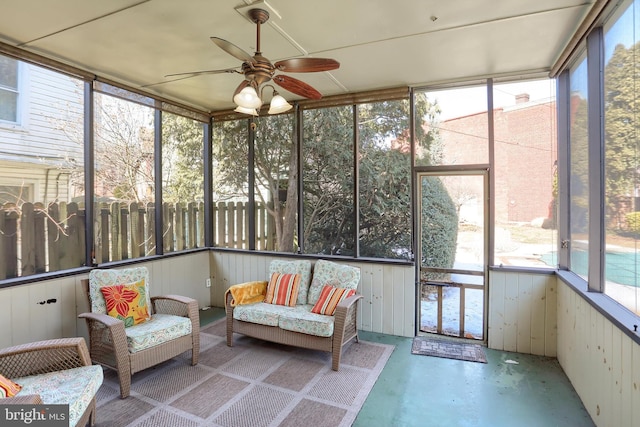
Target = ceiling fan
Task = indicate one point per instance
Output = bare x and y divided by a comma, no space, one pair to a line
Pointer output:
258,70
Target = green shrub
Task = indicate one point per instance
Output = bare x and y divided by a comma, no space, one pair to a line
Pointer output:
633,222
439,224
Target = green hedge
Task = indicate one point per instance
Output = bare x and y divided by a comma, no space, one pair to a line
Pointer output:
439,224
633,222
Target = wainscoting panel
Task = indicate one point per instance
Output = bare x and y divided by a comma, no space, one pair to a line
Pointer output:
48,309
601,361
388,305
522,312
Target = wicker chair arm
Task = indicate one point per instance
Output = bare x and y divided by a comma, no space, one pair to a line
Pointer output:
105,319
44,356
178,298
177,305
227,301
345,313
27,399
347,303
97,322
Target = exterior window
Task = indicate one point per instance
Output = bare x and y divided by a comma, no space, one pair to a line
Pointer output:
8,89
384,180
525,197
275,176
230,196
41,173
22,192
182,183
124,180
622,158
578,170
454,127
328,181
327,170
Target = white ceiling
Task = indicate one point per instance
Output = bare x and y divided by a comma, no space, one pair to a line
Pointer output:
379,43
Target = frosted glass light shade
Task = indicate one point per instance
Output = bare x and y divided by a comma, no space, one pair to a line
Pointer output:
248,98
279,105
250,111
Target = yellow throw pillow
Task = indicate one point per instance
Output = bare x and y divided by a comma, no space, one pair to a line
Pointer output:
127,302
8,388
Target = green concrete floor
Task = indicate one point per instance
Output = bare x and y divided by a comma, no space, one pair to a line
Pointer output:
424,391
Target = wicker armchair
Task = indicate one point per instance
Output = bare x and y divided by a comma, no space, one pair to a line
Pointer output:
45,359
132,349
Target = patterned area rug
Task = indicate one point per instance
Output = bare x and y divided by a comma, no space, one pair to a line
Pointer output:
252,384
448,349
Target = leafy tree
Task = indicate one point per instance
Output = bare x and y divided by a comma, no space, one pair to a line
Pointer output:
183,164
327,149
579,179
124,150
384,164
622,128
275,162
439,224
385,180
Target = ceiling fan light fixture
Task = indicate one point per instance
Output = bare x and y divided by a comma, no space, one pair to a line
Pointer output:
279,104
248,98
243,110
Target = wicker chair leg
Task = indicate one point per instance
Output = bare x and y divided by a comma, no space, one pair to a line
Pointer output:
92,417
335,359
125,383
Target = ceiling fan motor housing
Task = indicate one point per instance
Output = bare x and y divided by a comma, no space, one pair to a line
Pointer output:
260,71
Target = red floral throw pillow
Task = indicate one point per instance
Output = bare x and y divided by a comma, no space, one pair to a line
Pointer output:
127,302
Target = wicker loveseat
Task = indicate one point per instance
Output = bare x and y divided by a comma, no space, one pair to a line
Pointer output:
52,372
297,325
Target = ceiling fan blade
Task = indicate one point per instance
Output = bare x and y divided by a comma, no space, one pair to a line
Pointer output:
232,49
296,86
199,73
307,65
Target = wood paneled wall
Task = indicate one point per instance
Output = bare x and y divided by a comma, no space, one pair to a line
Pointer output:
389,291
522,312
601,361
522,307
24,319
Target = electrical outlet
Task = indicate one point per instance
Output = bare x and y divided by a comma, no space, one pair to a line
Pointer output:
207,282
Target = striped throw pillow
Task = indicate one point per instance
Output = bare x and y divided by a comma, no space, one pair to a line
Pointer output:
8,388
330,297
283,289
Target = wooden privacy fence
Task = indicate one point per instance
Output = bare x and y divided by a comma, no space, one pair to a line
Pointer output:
37,239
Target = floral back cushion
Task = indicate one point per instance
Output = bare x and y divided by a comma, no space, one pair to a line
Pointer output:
333,274
127,276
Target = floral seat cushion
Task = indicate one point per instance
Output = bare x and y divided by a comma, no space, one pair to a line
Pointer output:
304,321
159,329
261,313
74,387
296,319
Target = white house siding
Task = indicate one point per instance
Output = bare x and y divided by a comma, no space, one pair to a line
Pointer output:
24,319
47,137
601,361
45,183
